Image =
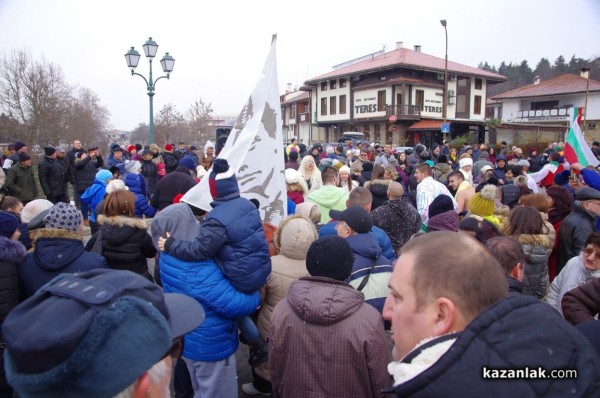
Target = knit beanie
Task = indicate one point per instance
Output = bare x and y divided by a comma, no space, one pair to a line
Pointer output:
562,178
19,145
222,180
23,156
367,166
330,256
188,162
49,151
8,224
446,221
115,185
465,162
63,216
168,147
441,203
103,175
291,176
482,203
344,169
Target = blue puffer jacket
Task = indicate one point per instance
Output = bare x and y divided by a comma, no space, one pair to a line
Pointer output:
94,195
137,186
56,252
216,338
377,233
232,233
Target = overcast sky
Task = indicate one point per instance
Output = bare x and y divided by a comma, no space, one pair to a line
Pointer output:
220,46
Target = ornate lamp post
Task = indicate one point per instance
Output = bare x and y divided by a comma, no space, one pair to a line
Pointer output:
167,62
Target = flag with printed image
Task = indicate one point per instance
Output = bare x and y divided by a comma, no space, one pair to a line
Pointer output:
576,149
254,149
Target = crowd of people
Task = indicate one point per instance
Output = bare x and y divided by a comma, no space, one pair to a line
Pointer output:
472,262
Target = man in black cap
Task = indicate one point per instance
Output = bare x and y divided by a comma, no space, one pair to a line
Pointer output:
117,159
53,177
303,357
20,180
96,334
370,269
19,148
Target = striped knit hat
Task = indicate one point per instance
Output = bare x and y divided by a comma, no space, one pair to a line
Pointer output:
222,180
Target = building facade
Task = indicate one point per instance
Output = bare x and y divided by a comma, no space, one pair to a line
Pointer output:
398,98
540,112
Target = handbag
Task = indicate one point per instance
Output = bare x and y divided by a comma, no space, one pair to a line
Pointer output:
97,248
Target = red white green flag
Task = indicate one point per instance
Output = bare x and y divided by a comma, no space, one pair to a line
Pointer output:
576,149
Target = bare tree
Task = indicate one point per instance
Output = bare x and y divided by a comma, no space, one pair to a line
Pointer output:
140,134
198,117
86,119
169,125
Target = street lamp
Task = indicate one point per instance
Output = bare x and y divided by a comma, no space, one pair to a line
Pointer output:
444,98
132,57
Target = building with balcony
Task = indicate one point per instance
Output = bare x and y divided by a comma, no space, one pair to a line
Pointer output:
295,113
397,98
540,112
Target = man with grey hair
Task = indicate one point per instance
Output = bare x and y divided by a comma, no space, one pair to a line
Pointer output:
397,217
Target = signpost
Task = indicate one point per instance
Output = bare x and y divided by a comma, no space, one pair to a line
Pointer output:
445,128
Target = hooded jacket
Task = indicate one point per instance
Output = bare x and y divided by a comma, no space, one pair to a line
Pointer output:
399,219
572,234
217,337
515,333
137,186
94,195
302,359
21,183
232,232
126,244
378,189
377,233
367,252
53,177
12,254
328,197
535,275
295,235
56,251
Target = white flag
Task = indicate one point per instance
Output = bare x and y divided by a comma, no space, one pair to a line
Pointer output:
254,149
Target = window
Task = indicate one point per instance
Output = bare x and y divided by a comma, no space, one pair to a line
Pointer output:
332,105
343,83
332,84
293,112
324,86
323,106
477,105
542,105
381,100
419,99
342,104
478,84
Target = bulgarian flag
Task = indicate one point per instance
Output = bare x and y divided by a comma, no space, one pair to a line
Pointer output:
576,149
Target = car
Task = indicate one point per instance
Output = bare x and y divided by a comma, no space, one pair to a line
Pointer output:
407,149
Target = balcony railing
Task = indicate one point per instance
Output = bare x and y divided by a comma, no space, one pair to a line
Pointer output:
561,113
303,117
403,111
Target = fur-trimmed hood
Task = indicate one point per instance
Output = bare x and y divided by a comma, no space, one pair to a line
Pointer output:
55,233
122,221
12,251
294,236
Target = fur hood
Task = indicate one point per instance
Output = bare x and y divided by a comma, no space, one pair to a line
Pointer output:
12,251
55,233
122,221
529,239
294,237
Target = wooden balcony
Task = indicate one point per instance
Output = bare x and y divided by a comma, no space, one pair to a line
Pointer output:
404,112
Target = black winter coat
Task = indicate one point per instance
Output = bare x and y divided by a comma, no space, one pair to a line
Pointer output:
572,234
514,333
126,244
149,172
12,254
56,252
378,189
85,172
171,161
179,181
71,159
53,177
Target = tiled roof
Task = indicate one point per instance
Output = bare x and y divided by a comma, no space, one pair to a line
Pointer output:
560,85
426,124
295,97
410,59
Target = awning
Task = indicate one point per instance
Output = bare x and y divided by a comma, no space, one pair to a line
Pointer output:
427,125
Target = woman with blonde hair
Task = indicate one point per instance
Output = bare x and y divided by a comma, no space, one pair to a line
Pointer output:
345,181
311,176
126,244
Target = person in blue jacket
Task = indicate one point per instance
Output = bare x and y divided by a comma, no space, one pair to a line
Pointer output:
209,351
362,197
95,194
137,186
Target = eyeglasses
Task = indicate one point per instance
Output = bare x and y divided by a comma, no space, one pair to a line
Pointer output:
176,349
588,250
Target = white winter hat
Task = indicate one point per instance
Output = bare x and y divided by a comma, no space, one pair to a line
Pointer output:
465,162
291,176
115,185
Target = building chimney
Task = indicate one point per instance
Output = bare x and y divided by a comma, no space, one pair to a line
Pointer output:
289,88
585,73
537,80
417,48
399,45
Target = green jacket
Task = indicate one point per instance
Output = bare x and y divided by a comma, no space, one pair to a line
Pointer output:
20,182
327,198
